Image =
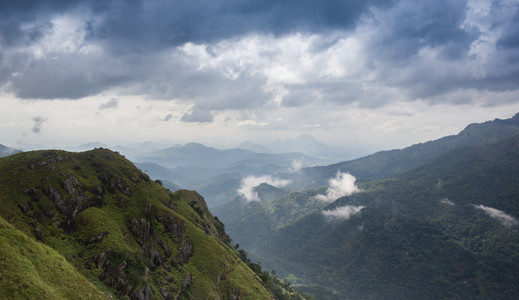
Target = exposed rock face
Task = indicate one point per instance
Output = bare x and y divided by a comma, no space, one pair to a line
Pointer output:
114,276
185,285
185,252
97,238
70,206
173,226
144,294
33,194
140,229
176,229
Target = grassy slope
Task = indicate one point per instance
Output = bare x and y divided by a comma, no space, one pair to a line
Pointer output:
127,195
32,270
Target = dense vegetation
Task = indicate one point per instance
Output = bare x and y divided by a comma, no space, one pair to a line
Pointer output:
442,226
420,236
392,163
86,224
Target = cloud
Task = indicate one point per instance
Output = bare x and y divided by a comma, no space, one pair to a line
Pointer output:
446,201
112,103
499,215
168,117
64,76
130,26
257,56
248,184
342,185
38,123
297,165
342,213
510,37
197,116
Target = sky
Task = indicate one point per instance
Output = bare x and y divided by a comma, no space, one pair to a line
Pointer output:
366,75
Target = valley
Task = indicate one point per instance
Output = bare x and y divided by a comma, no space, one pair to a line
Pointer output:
433,220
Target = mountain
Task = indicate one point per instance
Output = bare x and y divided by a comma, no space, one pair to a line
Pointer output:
85,225
215,173
250,222
200,156
448,228
308,145
395,162
156,171
87,146
247,145
6,151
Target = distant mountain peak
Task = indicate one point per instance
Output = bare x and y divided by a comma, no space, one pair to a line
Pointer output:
248,145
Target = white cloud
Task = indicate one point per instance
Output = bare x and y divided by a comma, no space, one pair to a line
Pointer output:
297,165
248,184
342,213
499,215
342,185
446,201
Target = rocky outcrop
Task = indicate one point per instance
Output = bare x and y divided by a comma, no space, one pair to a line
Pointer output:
140,229
69,206
175,227
97,238
185,285
33,194
113,275
185,251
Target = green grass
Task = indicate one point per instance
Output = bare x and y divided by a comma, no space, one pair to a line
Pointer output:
215,267
32,270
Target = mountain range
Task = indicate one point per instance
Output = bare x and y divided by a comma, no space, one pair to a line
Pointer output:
6,151
215,173
306,144
394,162
435,220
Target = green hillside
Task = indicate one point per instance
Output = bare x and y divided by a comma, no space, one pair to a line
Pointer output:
32,270
447,229
250,222
102,224
395,162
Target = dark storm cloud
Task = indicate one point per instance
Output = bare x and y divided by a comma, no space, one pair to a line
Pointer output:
26,21
112,103
127,26
510,38
413,25
38,123
65,76
136,52
144,25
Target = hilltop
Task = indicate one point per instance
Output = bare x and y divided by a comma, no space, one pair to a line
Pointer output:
91,225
